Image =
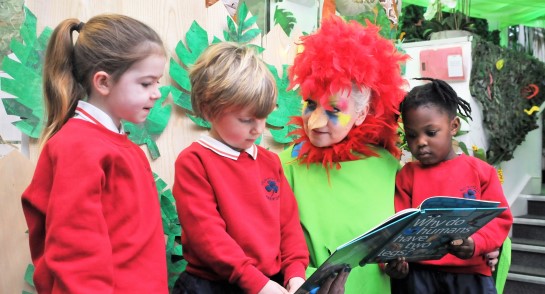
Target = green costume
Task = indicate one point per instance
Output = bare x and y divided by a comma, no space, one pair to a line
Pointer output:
333,210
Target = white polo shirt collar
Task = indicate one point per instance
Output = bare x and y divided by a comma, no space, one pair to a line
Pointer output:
221,149
99,115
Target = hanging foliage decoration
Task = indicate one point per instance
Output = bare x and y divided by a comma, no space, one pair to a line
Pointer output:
509,95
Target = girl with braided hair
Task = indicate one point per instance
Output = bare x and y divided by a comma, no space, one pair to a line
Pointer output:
429,114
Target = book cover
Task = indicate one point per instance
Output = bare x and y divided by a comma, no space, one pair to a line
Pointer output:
417,234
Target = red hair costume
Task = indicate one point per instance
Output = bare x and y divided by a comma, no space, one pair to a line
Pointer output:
335,57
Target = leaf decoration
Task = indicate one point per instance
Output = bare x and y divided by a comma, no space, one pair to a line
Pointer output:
29,273
154,125
173,231
26,77
289,104
242,32
285,19
197,41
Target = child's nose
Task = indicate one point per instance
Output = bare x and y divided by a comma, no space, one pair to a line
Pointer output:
421,141
260,126
156,93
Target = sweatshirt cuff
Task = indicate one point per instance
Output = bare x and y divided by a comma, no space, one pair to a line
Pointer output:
296,269
252,280
478,241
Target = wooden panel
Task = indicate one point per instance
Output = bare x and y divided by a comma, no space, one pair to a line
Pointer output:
16,171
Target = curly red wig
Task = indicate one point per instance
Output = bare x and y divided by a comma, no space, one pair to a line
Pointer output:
335,57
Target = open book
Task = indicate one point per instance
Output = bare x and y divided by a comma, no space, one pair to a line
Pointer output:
416,233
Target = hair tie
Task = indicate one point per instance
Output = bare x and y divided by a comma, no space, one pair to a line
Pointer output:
79,27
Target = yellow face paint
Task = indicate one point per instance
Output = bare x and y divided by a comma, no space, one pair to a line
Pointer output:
343,118
305,105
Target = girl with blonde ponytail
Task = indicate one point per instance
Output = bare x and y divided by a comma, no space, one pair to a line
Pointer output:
92,207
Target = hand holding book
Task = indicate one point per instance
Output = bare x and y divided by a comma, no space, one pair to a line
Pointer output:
462,248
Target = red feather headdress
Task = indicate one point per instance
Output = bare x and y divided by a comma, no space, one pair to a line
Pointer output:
336,56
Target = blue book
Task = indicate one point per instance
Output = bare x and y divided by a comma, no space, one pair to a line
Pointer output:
421,233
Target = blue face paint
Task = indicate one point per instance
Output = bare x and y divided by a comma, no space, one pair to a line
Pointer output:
333,117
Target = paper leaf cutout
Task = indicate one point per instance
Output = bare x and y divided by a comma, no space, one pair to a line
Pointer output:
242,32
289,104
172,229
29,273
285,19
154,125
26,78
196,40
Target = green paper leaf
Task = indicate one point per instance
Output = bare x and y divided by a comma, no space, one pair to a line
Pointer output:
249,35
199,121
171,228
154,125
196,42
288,105
29,273
26,78
242,32
285,19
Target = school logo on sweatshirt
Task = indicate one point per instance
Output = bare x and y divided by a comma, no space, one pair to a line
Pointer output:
271,188
470,192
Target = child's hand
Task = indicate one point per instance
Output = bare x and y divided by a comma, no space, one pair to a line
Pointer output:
397,269
462,248
491,258
273,288
294,284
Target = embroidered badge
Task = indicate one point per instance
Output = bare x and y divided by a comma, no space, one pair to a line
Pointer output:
470,194
272,189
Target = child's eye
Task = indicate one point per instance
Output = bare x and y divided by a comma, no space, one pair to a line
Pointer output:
145,85
245,120
431,133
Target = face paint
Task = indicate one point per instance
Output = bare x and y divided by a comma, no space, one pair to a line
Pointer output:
326,126
305,107
344,118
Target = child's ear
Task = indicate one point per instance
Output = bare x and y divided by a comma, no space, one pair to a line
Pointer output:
102,82
455,125
361,116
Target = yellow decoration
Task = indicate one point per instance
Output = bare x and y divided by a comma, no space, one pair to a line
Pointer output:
531,110
500,175
475,148
499,64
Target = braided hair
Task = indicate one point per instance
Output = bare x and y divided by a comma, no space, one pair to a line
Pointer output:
438,93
